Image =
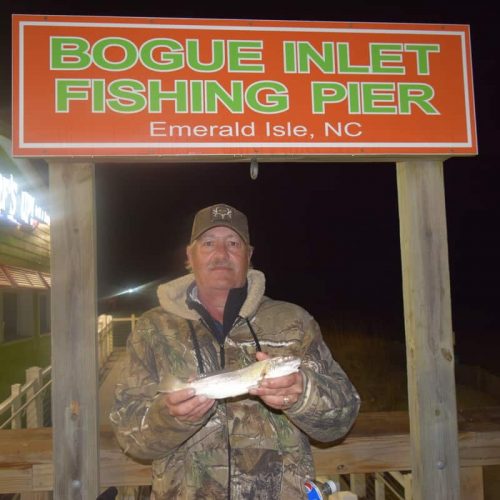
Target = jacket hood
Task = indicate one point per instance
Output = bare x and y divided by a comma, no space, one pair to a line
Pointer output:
172,295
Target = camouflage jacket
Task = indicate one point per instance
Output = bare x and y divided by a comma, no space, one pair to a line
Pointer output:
241,449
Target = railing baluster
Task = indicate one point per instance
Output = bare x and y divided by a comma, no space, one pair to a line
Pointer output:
15,392
34,411
407,478
358,484
379,487
109,326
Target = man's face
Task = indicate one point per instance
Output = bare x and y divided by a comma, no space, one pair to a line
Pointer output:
219,259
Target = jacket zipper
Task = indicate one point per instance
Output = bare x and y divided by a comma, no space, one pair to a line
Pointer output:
222,356
228,455
239,320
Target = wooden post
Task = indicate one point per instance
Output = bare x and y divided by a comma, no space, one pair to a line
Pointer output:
15,392
379,487
102,341
429,342
74,340
109,333
408,486
34,409
358,484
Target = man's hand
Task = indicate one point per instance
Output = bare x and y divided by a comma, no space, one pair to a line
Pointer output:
187,407
279,393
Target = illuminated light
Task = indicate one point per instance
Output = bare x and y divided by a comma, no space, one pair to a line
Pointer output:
19,206
136,289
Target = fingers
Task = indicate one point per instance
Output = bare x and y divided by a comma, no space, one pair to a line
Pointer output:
293,393
176,397
261,355
280,392
198,406
286,382
184,405
280,402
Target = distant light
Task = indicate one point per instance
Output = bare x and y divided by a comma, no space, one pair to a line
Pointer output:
135,289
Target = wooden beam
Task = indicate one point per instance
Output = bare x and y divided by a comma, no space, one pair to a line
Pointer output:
378,442
74,339
428,329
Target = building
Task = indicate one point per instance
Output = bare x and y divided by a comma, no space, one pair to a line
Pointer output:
24,268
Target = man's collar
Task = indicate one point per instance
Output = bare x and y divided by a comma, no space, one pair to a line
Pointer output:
192,294
235,300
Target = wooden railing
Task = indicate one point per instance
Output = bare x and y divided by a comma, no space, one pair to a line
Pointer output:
120,335
378,443
28,405
104,338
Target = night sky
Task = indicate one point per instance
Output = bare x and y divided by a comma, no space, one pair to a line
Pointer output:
326,235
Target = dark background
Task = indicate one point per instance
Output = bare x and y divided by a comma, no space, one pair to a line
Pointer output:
326,235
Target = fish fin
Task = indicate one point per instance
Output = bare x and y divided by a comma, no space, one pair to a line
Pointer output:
263,374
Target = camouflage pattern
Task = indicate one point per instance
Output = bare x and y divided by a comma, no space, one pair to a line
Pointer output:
241,449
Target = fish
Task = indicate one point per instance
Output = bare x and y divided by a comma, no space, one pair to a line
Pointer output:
228,384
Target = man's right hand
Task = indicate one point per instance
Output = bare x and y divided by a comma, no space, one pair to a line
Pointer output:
187,407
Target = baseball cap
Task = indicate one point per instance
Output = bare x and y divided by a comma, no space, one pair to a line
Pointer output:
220,215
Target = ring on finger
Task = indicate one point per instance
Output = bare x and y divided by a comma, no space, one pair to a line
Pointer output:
286,401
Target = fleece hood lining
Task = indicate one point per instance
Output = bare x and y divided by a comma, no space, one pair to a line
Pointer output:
172,295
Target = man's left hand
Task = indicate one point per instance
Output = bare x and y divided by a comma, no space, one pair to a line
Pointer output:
279,393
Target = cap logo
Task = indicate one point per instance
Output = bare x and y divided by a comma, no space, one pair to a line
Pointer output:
221,213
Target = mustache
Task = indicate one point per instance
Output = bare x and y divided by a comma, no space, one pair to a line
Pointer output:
220,264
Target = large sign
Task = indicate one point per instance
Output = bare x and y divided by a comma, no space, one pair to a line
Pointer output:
101,86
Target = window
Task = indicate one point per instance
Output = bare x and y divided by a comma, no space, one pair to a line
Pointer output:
9,316
17,315
44,308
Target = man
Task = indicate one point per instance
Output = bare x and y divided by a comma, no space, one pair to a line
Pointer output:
254,446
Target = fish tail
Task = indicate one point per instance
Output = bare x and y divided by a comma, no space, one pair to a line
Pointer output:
170,383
